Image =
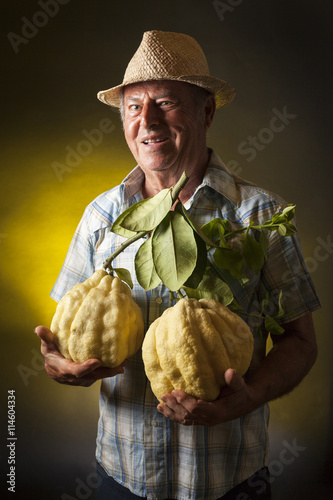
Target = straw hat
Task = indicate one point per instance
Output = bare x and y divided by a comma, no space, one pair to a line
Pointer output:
163,55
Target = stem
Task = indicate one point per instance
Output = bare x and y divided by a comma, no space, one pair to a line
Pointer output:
129,241
175,193
180,295
249,315
179,186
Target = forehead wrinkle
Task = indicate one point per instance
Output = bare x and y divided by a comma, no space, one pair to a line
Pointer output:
160,95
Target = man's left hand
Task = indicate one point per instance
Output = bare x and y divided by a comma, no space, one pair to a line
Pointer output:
234,400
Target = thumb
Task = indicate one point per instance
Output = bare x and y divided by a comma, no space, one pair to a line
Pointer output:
48,345
233,380
44,334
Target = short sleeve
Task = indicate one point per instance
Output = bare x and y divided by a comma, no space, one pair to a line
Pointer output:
286,271
78,265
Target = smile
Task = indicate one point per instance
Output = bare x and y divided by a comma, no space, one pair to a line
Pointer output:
154,141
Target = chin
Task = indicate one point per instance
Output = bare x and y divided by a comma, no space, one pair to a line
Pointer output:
157,166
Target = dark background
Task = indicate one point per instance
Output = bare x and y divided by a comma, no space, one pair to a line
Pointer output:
277,55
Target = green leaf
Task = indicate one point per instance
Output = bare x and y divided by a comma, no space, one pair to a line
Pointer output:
281,310
286,215
147,214
282,230
200,268
259,333
272,326
289,212
174,250
117,229
226,258
180,207
291,229
124,275
215,231
144,266
253,253
235,306
263,240
265,304
211,287
281,221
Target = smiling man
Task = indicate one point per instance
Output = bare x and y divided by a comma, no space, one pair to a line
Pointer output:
165,130
185,449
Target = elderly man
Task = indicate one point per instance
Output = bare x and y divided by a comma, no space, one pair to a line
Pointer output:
144,449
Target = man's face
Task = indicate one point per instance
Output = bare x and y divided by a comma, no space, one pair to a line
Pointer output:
163,127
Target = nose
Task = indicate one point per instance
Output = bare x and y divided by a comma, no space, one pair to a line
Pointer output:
150,115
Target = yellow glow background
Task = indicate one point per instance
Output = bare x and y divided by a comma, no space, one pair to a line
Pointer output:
276,55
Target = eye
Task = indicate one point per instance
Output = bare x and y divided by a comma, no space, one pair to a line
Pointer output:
134,107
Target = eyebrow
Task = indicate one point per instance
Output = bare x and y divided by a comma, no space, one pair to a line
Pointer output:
167,93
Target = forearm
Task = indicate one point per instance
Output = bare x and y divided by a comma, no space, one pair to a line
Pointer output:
287,363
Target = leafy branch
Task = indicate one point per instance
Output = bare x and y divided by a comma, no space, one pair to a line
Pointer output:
142,217
176,250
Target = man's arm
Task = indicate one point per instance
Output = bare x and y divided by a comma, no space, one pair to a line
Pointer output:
65,371
290,359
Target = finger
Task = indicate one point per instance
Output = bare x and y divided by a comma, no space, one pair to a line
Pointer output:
103,372
175,407
164,407
184,399
79,370
176,414
65,370
170,405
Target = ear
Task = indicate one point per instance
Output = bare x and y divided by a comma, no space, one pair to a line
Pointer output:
210,107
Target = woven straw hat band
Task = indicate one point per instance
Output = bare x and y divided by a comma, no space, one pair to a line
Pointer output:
164,55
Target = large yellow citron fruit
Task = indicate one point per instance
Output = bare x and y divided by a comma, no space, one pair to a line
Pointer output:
192,344
98,319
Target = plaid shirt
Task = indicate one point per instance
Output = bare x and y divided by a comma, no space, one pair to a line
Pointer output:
136,445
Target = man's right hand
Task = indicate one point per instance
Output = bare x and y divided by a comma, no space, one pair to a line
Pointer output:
65,371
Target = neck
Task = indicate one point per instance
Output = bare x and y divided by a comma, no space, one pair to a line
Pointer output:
155,181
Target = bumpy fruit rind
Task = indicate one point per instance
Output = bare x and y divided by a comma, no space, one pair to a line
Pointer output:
98,319
191,346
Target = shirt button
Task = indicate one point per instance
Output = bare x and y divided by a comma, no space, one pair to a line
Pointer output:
159,300
154,423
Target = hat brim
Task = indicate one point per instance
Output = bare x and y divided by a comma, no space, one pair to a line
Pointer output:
222,91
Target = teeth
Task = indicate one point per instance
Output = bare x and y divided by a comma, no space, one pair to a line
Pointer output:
153,141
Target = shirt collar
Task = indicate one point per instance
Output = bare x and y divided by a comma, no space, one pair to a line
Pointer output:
219,180
133,183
